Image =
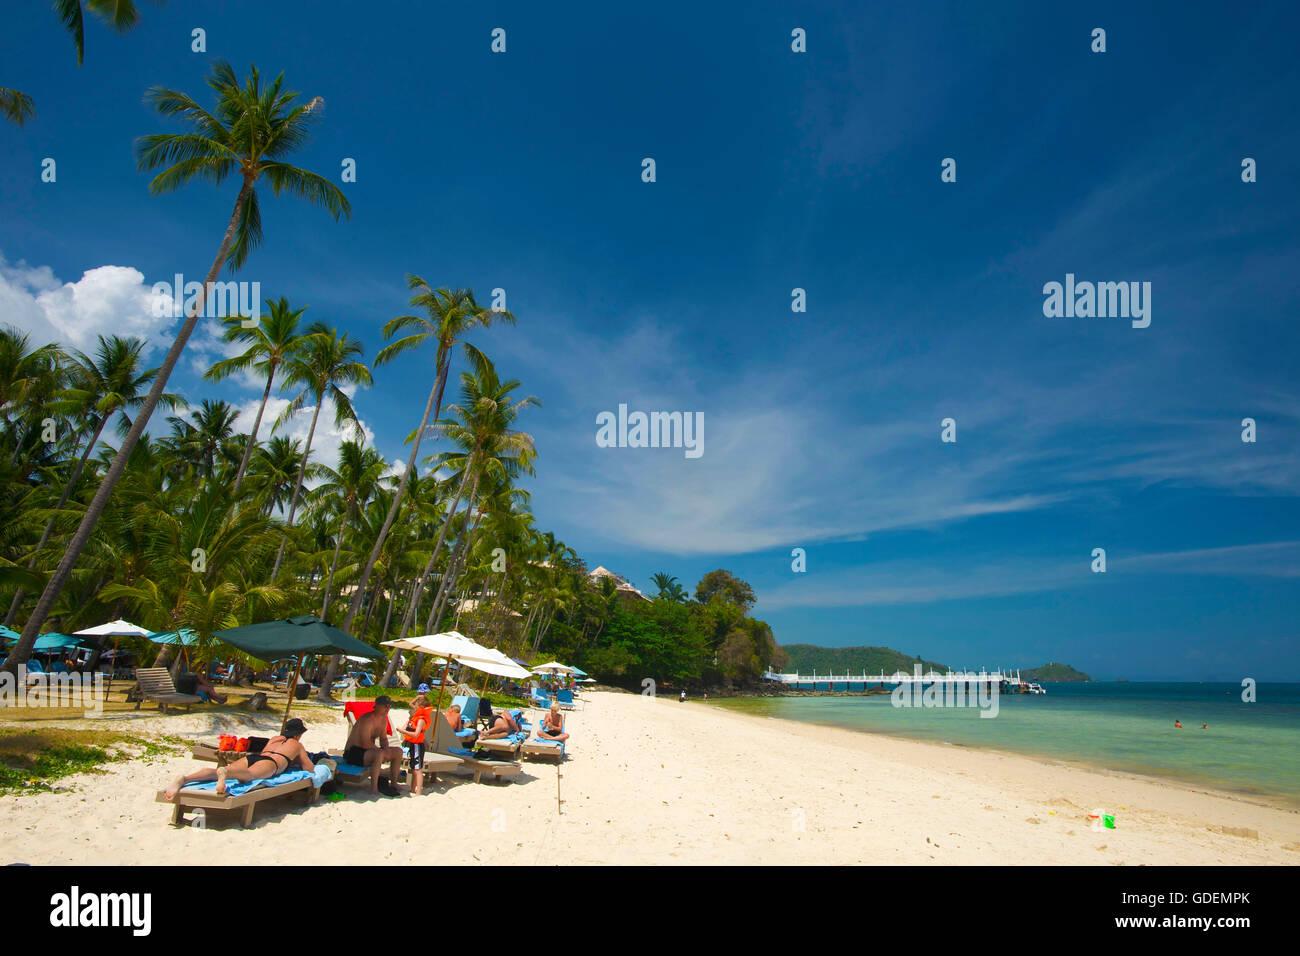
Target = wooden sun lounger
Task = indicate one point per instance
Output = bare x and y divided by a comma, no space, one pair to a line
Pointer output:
246,802
156,685
433,764
540,747
445,738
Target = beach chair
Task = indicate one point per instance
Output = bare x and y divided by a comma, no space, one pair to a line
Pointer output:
446,743
539,747
565,699
241,797
156,685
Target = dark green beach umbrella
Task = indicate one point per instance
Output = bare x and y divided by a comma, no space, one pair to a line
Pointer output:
294,637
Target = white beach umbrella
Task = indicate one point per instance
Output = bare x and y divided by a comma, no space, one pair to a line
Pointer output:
114,629
449,645
554,667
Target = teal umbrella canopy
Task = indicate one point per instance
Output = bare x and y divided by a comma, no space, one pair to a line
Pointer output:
54,641
294,636
8,634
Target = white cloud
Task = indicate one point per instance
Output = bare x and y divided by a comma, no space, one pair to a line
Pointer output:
106,300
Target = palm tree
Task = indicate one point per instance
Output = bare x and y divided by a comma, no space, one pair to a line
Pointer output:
250,134
669,588
326,363
17,106
272,341
359,472
449,316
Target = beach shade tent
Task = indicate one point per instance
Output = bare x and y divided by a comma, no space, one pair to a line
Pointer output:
294,637
449,646
114,629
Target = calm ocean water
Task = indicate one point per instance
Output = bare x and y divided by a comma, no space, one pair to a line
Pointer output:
1248,748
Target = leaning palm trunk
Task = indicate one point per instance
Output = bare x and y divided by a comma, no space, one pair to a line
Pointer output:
293,501
338,546
23,649
453,569
49,525
432,407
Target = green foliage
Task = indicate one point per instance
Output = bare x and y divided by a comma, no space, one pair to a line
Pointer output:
1054,671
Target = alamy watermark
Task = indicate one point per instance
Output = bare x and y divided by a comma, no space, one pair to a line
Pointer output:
948,692
68,690
1102,300
651,430
178,297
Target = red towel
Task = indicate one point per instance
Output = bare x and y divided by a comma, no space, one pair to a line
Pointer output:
357,708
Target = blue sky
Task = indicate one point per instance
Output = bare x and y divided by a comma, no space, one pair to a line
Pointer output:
778,170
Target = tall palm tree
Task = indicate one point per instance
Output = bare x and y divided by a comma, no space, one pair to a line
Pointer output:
251,133
669,587
271,342
16,105
326,363
448,316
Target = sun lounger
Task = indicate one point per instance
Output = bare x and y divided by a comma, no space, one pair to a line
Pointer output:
240,796
565,699
504,745
541,747
447,743
156,685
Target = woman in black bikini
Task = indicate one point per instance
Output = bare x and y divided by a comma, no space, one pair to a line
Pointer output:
283,752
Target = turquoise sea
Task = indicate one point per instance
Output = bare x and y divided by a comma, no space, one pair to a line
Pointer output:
1248,748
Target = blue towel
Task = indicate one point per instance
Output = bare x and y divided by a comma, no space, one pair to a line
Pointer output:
234,787
352,770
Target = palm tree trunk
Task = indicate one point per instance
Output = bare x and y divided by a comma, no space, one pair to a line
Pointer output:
338,545
434,407
413,608
293,502
49,525
23,649
252,439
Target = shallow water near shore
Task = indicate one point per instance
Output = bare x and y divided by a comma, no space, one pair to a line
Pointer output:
1248,748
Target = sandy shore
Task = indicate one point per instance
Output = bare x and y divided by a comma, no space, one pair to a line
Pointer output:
655,781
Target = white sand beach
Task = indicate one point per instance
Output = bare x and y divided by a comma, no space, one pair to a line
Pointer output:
656,781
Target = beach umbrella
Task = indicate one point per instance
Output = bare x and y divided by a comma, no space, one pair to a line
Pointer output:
502,666
294,637
554,667
449,645
185,636
579,672
54,641
9,634
114,629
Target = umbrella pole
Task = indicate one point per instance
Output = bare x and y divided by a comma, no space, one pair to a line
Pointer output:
442,685
111,667
293,686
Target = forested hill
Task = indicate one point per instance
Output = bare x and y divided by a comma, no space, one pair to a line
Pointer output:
805,658
1055,671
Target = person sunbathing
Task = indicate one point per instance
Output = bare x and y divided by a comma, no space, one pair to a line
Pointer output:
282,752
552,727
503,725
367,746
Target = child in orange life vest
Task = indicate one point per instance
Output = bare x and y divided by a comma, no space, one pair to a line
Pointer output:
413,734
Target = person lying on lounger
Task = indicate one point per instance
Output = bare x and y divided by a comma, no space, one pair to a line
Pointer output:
282,752
503,725
552,727
367,746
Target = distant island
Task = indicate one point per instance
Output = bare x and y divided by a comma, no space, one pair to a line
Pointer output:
806,658
1055,671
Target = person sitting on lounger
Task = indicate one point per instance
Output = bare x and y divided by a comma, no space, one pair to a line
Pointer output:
454,718
552,727
367,746
282,753
503,725
206,691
